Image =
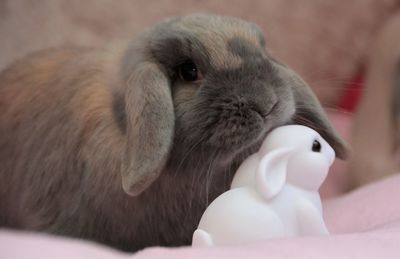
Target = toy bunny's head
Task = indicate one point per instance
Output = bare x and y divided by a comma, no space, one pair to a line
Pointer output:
299,138
296,155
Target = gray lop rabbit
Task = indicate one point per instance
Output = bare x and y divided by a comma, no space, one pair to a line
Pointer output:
127,146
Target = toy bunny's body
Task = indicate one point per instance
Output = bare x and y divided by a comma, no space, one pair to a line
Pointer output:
274,193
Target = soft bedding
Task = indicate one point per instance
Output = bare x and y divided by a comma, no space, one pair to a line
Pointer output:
364,224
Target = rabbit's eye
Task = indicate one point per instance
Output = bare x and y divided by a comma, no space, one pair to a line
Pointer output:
316,146
188,71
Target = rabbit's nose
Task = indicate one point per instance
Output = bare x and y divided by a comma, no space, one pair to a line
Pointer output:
262,109
262,106
259,99
243,105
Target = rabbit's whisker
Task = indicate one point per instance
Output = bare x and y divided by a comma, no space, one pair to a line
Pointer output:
187,155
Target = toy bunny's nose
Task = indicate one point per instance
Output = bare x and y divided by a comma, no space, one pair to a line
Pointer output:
328,151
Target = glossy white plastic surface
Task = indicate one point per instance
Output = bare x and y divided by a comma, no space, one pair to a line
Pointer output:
274,193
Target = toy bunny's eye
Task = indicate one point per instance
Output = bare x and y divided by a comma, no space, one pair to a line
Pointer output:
316,146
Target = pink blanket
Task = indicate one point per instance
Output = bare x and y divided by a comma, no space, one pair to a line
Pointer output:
364,224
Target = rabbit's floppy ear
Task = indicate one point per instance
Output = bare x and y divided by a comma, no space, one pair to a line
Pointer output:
150,126
310,113
271,172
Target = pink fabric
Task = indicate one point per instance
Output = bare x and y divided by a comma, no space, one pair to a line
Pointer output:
364,224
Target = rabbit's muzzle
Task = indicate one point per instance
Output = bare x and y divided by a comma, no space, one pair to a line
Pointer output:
236,123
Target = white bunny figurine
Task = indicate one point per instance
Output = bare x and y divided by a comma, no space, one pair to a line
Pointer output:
274,193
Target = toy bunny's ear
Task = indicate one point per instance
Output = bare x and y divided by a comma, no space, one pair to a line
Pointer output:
271,172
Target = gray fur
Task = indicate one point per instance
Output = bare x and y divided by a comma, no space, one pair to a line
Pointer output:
127,154
243,48
119,111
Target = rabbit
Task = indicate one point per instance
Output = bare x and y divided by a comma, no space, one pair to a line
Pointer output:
126,145
274,193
